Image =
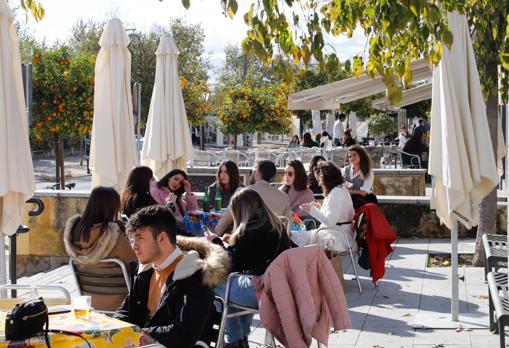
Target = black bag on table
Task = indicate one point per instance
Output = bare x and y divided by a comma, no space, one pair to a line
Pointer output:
27,319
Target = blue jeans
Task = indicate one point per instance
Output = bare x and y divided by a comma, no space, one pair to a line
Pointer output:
243,294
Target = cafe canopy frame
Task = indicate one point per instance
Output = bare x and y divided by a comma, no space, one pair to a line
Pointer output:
409,97
332,95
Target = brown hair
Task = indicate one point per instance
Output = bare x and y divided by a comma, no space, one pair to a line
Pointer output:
366,164
233,173
301,179
163,182
331,176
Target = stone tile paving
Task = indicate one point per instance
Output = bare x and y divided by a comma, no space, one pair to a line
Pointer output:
383,316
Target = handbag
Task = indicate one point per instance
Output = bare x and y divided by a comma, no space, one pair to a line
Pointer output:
27,319
30,318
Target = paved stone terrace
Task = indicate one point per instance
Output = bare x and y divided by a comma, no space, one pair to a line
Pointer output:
383,316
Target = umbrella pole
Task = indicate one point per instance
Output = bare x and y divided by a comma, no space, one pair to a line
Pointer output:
454,271
3,268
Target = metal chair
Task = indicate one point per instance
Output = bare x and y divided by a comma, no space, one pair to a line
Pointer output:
213,334
306,154
237,156
204,158
413,161
338,156
33,291
350,250
102,280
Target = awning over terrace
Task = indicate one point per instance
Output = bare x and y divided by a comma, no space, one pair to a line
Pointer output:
332,95
409,97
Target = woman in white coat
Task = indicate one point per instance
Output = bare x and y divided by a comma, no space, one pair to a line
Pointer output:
336,210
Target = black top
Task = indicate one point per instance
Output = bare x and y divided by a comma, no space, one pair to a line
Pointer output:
184,310
313,186
225,196
256,248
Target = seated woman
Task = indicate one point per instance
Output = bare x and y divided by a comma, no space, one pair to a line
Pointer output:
170,190
258,238
98,235
136,193
228,181
326,140
358,174
295,185
416,145
294,143
312,181
307,140
336,210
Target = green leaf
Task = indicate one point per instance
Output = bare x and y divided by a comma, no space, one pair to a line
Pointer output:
393,93
305,54
232,8
296,54
447,38
407,77
371,68
504,59
186,4
358,66
434,16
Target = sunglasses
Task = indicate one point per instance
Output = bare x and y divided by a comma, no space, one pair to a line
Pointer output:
289,174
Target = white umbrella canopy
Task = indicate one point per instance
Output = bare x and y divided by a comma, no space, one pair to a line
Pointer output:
112,151
168,143
462,161
16,171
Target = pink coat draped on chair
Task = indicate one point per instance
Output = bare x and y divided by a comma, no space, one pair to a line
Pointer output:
296,296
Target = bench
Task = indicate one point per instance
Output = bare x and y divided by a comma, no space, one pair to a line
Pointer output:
499,303
495,250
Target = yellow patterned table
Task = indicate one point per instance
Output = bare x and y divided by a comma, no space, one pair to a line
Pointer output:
100,331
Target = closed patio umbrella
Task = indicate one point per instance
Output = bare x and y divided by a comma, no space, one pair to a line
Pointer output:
16,170
168,143
462,161
112,151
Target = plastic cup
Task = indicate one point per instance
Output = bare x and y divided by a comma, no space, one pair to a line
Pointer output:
81,306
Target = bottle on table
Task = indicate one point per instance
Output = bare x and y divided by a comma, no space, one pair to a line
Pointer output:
217,199
206,200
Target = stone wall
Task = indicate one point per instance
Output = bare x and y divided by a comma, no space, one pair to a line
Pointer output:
42,248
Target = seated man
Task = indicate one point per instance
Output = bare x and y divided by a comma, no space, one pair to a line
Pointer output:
275,199
171,295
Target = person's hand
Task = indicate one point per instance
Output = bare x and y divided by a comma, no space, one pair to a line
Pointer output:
348,185
226,238
305,208
187,187
316,204
146,339
171,198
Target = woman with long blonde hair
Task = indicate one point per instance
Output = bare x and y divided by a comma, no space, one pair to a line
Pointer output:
258,238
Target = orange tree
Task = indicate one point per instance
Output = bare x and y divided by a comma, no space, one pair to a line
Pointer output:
63,96
248,109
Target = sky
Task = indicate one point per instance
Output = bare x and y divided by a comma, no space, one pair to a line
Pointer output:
142,15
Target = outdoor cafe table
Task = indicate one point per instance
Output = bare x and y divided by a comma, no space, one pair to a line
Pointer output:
100,331
194,220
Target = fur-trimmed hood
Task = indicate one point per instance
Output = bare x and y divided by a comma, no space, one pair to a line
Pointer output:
200,254
98,247
211,258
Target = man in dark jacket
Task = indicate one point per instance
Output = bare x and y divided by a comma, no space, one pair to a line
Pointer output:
171,295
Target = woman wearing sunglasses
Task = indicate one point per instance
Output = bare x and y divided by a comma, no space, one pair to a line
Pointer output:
295,185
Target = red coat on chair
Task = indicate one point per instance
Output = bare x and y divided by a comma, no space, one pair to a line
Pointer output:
379,236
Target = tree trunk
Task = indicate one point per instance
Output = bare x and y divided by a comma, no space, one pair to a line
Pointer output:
258,138
61,164
488,206
235,141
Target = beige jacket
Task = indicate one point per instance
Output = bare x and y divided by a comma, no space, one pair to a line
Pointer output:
275,199
112,243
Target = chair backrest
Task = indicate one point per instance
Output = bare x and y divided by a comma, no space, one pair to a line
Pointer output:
306,154
209,338
338,156
102,280
34,291
206,158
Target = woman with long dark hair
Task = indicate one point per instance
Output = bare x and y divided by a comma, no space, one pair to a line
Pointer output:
358,174
295,185
136,193
258,238
336,210
174,188
307,140
312,181
228,181
97,235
